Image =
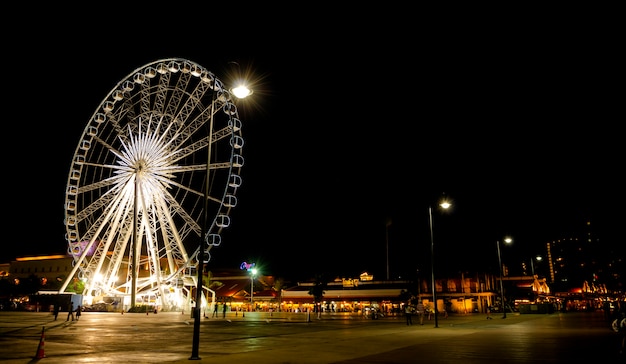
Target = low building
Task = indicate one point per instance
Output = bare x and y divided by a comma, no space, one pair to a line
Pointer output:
243,292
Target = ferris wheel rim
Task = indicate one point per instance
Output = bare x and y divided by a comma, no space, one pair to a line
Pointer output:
182,96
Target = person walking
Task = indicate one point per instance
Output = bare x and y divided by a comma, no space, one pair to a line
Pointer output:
79,309
489,313
214,310
57,308
70,311
224,310
618,324
420,312
408,312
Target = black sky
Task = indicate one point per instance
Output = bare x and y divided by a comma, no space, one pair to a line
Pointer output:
517,121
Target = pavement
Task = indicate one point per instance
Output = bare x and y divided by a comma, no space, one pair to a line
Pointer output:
299,338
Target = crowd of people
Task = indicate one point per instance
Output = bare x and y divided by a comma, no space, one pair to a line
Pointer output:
421,311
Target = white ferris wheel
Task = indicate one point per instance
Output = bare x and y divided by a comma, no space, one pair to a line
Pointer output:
152,183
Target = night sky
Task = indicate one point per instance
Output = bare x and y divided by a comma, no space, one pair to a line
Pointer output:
349,127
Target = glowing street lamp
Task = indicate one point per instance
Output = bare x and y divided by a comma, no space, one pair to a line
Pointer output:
240,81
444,205
508,241
532,264
241,91
252,274
204,226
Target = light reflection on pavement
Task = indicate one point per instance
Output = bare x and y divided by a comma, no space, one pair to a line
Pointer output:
292,338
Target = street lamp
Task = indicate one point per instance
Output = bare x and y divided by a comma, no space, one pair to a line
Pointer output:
532,264
202,256
508,241
203,236
387,224
239,79
444,205
241,91
252,274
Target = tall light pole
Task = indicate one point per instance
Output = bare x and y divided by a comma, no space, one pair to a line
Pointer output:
252,274
202,254
387,224
444,205
532,264
195,346
508,241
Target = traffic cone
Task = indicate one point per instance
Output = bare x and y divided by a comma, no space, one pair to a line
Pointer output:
40,352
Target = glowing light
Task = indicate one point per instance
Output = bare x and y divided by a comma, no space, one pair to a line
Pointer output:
242,92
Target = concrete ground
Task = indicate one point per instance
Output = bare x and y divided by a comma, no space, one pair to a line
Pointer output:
283,338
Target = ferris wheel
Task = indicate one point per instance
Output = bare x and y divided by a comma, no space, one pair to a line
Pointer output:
152,182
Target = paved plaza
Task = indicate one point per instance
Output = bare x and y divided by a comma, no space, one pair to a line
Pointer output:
283,338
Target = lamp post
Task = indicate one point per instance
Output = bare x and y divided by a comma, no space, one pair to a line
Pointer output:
252,274
202,246
508,241
202,254
387,224
532,263
444,205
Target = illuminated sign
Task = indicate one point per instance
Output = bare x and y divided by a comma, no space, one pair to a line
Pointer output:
246,266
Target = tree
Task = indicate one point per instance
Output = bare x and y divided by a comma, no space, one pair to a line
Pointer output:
318,290
77,286
406,296
278,287
29,285
7,288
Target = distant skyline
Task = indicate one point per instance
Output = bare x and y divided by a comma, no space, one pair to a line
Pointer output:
518,127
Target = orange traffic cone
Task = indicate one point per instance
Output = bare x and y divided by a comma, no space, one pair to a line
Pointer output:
42,341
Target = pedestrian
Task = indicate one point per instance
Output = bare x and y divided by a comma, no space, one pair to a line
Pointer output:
420,312
57,308
224,310
79,310
408,312
70,311
618,324
489,313
214,310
